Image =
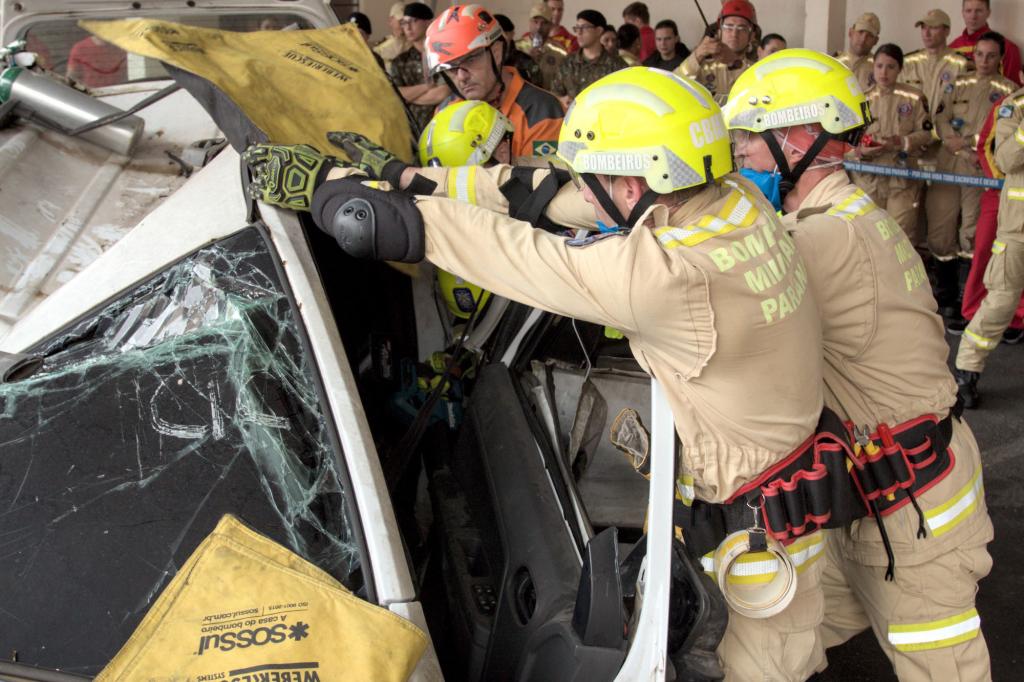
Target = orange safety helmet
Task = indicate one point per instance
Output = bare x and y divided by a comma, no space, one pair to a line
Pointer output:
738,8
456,32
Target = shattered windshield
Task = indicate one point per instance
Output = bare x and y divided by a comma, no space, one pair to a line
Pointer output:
189,397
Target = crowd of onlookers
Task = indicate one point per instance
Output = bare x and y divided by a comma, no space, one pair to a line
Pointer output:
933,105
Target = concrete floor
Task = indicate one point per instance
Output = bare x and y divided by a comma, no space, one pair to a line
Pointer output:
999,427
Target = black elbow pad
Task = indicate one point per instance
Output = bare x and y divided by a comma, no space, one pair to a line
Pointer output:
369,223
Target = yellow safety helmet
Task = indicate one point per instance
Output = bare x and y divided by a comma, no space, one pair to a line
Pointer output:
463,134
648,123
793,87
460,296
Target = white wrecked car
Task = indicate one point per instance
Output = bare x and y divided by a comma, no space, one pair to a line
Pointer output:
171,354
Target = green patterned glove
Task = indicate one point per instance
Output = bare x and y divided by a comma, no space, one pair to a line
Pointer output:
369,157
286,174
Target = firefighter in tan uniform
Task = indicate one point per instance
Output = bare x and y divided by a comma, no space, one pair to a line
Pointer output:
718,61
706,286
898,132
1004,276
886,376
958,118
934,70
861,37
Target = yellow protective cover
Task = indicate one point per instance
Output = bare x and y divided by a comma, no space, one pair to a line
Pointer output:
294,85
244,608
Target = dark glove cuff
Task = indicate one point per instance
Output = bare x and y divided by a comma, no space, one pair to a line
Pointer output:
392,172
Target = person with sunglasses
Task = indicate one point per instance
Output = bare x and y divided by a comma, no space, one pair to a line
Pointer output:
588,64
725,51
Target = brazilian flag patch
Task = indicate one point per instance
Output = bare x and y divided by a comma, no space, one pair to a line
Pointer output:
544,147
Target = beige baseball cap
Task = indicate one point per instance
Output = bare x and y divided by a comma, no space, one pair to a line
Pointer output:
397,10
868,22
540,9
934,18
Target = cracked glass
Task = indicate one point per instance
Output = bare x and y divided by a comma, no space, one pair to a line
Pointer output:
188,397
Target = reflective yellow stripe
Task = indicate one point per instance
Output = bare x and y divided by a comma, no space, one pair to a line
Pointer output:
1019,136
949,514
857,204
738,211
937,633
684,489
981,341
374,184
462,184
998,246
1016,194
756,568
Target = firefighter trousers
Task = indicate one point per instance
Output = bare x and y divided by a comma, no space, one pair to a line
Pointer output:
1004,279
974,289
925,619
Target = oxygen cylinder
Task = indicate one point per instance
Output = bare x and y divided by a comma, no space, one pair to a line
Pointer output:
66,108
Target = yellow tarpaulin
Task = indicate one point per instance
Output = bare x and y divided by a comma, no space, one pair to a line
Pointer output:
293,85
243,608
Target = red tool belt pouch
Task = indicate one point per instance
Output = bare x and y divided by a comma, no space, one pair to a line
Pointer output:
912,457
811,488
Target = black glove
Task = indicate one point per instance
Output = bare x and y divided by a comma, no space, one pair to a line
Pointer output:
286,174
370,223
369,157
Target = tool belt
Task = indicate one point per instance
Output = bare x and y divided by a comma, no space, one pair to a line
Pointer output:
829,482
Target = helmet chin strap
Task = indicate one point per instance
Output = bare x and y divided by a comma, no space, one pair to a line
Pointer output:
790,176
611,209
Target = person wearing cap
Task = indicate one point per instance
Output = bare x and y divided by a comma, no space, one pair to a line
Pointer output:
724,51
907,562
934,70
560,34
684,237
861,38
465,48
395,44
670,51
421,93
976,14
899,130
538,43
958,119
588,64
636,13
517,58
362,23
1004,274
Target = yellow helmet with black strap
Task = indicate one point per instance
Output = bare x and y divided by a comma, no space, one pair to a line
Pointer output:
795,87
649,123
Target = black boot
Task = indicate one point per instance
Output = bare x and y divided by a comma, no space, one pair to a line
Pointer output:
947,288
967,387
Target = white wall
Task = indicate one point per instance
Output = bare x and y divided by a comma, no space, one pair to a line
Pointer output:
776,16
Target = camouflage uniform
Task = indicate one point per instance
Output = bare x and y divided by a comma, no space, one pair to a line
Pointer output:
526,66
407,69
549,61
577,72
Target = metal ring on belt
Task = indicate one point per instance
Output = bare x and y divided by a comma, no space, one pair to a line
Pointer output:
760,601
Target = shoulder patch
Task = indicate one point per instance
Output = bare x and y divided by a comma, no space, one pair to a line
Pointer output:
1005,111
592,238
905,109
